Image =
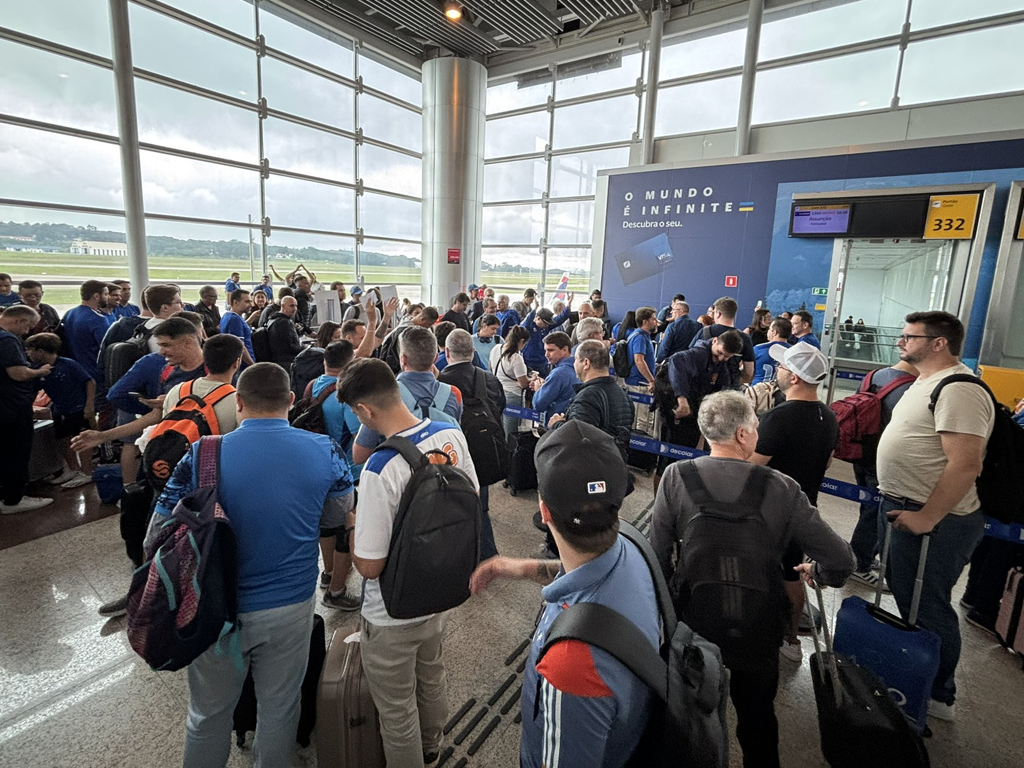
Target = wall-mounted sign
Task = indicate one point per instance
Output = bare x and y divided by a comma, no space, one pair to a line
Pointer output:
819,307
832,219
454,256
951,217
731,281
819,291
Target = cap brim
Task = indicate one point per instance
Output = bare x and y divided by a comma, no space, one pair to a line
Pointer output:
778,352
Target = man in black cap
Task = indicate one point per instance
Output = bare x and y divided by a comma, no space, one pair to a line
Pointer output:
541,323
578,689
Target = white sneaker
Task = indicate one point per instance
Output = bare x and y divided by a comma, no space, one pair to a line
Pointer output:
27,504
870,579
77,480
941,711
62,477
792,651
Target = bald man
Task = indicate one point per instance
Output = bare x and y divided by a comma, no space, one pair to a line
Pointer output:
282,335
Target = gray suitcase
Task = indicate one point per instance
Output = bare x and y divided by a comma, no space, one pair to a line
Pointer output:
347,726
45,458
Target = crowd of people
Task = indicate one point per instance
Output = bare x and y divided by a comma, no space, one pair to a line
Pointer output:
112,372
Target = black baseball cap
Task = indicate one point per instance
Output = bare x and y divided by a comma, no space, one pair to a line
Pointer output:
578,463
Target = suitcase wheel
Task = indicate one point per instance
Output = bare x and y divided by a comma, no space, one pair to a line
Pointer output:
512,491
504,484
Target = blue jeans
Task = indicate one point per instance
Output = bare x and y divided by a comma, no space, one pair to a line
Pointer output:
275,642
869,533
952,542
488,548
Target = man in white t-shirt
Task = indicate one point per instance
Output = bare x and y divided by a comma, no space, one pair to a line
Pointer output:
163,301
928,461
402,658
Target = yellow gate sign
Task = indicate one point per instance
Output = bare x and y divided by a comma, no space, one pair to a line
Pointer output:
951,217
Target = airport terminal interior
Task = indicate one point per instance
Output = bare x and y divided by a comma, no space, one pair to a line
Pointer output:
858,160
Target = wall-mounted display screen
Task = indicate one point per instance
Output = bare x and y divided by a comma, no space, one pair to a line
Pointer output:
830,220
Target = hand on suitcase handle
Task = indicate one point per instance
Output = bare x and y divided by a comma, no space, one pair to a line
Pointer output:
806,571
911,521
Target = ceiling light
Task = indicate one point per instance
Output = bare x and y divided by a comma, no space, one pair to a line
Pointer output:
63,76
452,10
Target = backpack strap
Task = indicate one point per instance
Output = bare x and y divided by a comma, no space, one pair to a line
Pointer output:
185,390
609,630
441,396
865,383
895,384
752,495
217,394
666,607
479,385
413,456
954,379
209,461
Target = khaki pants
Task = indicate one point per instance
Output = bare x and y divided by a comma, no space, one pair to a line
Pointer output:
643,420
405,672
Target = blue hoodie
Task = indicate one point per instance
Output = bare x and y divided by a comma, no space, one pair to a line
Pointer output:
533,352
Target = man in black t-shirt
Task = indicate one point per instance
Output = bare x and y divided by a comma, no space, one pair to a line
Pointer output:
797,438
741,367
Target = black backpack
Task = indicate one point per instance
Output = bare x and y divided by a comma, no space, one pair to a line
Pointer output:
1001,482
261,351
622,361
435,541
688,725
119,357
484,434
388,350
728,583
308,413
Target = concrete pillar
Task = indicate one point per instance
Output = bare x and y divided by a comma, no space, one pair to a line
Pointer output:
454,101
653,73
754,17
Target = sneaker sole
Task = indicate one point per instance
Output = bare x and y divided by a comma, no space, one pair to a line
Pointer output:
114,614
980,626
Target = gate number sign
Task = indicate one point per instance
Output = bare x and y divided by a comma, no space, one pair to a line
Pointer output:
951,217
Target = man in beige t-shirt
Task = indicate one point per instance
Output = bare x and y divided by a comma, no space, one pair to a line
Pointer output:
927,466
222,356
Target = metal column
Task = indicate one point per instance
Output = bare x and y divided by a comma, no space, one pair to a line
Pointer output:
128,130
653,69
454,100
754,16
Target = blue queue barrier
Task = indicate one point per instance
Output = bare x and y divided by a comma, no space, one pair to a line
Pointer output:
838,488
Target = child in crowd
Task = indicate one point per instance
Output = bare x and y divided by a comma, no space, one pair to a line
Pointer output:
72,394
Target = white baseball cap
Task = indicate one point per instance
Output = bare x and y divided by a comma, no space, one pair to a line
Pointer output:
803,359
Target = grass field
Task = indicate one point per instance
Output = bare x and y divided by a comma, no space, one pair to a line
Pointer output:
65,267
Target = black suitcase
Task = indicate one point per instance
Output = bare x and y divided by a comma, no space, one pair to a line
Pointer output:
244,718
136,508
522,473
860,724
642,461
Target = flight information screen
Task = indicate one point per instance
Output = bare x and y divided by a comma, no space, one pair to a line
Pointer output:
832,220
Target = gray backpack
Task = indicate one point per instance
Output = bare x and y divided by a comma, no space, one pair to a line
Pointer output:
688,725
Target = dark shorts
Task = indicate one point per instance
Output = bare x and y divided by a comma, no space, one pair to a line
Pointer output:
70,425
340,532
791,558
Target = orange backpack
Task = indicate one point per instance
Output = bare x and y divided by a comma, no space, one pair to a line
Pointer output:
193,417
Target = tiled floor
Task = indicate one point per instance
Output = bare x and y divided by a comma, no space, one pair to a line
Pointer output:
72,693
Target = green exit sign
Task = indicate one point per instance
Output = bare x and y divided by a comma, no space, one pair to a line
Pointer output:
819,291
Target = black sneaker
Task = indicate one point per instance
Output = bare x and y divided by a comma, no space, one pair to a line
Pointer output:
114,608
981,622
430,757
343,601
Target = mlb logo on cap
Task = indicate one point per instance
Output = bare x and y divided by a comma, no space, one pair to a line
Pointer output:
596,487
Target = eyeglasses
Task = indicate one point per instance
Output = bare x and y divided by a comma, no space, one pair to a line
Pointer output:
905,337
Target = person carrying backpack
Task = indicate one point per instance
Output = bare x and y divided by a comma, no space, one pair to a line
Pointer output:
580,705
721,514
415,539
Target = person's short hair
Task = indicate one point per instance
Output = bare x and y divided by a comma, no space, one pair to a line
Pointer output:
282,292
349,327
293,300
679,297
682,305
222,351
44,342
175,327
5,276
805,316
460,298
121,282
782,327
722,413
590,327
206,290
732,341
337,284
193,317
28,285
368,380
529,293
489,319
90,288
643,314
598,305
441,331
459,346
234,274
503,296
21,311
159,295
595,352
558,339
592,542
237,295
419,346
325,333
941,324
265,388
429,313
112,287
338,354
726,307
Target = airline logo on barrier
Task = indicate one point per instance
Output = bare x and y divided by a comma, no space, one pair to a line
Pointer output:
562,291
678,201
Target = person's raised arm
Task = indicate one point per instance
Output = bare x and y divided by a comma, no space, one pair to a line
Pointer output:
370,341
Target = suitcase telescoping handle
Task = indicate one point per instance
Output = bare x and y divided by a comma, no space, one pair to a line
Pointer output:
915,600
828,659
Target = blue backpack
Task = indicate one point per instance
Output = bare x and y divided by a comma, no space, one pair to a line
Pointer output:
184,597
428,408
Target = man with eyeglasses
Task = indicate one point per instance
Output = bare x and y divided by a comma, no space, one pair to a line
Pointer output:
927,465
30,293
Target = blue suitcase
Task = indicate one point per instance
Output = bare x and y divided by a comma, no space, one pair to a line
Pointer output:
904,656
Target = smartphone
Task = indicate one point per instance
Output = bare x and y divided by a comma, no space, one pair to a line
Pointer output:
644,259
138,395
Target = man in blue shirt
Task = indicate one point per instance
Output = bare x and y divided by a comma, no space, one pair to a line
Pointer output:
508,316
233,322
765,366
640,378
86,324
265,287
540,323
552,394
230,286
679,333
276,500
124,307
580,706
803,325
7,294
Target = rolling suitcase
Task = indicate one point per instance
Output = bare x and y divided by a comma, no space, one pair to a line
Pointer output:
903,655
44,458
859,722
1008,627
522,473
244,718
349,735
